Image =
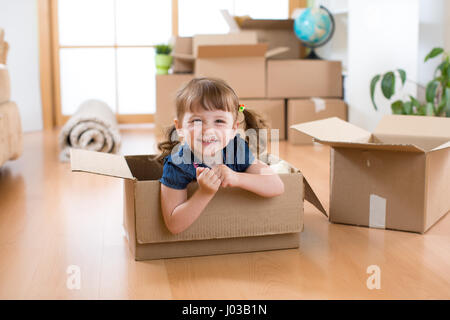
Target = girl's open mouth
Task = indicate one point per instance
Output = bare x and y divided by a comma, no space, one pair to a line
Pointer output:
208,141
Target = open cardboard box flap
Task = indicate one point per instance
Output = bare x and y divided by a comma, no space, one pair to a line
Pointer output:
236,24
100,163
429,133
233,51
238,51
229,51
395,133
268,24
241,38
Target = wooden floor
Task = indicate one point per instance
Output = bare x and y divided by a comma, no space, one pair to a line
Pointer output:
51,219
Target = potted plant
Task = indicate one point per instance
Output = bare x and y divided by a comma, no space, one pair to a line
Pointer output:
163,59
437,90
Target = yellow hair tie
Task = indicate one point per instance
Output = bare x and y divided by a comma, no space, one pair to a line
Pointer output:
241,108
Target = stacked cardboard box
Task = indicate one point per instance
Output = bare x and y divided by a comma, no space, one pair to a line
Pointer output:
240,58
259,59
313,89
273,111
166,89
305,110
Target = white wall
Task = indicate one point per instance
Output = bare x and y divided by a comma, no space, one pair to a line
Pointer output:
336,48
447,26
382,35
431,34
19,20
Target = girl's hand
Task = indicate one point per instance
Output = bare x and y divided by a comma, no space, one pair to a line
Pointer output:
207,180
228,177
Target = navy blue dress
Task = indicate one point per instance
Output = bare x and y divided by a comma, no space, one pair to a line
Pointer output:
179,169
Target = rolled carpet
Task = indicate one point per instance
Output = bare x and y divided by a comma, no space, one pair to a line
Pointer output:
92,127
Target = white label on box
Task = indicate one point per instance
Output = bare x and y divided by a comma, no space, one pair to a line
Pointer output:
319,104
377,214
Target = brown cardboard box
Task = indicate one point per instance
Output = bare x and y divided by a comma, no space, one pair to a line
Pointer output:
305,110
223,39
396,178
303,78
243,67
273,110
5,87
166,89
186,49
183,46
277,33
255,223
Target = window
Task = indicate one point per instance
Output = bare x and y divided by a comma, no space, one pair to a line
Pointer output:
105,52
102,49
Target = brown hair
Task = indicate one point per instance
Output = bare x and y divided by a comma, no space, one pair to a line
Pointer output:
209,94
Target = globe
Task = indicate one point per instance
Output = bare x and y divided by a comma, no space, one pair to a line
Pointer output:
314,27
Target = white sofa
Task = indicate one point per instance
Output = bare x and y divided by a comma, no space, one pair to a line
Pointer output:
10,125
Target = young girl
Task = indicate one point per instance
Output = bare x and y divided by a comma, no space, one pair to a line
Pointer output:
213,154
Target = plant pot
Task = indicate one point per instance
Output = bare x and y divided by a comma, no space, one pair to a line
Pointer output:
163,63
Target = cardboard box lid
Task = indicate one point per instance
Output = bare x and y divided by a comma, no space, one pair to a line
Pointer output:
100,163
228,51
339,133
238,51
427,131
238,23
267,24
245,38
241,38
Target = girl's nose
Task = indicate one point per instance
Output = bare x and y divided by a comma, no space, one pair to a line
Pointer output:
206,127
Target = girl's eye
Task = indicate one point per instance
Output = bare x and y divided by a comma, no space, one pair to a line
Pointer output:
220,121
196,120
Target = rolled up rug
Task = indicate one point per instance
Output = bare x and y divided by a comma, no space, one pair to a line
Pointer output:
92,127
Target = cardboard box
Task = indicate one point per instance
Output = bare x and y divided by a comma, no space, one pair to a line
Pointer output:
185,51
305,110
303,78
255,223
5,86
274,112
223,39
243,67
275,32
396,178
166,89
183,46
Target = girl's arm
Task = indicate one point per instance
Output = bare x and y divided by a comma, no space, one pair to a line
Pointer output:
178,212
259,178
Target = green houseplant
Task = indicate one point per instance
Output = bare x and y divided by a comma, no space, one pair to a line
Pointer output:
163,59
437,90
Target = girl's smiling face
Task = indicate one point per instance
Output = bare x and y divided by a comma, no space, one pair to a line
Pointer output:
207,132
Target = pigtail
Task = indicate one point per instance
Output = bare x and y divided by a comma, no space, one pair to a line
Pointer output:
167,145
254,120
